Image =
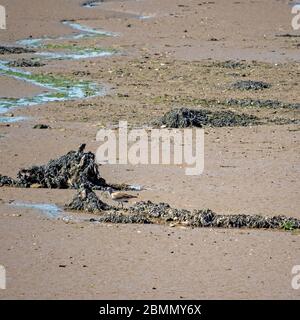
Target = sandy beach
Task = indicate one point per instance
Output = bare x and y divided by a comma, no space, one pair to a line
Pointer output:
145,58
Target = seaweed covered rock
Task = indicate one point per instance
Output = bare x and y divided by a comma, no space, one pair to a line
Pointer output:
72,170
250,85
87,200
184,118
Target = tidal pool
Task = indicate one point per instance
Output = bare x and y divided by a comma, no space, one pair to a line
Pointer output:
62,89
50,210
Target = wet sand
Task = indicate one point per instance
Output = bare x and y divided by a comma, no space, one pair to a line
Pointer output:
163,61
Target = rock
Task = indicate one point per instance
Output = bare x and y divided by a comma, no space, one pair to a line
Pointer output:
184,117
250,85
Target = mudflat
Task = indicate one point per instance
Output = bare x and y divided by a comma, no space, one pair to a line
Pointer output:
150,58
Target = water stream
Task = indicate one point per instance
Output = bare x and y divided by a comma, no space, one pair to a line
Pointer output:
60,88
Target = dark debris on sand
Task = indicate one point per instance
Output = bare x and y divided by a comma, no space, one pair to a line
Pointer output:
91,3
115,217
273,104
41,126
87,200
250,85
145,212
15,50
72,170
26,63
230,64
185,117
6,181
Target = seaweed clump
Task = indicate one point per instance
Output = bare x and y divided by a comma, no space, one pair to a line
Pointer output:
26,63
184,118
262,103
14,50
87,200
146,212
250,85
208,218
70,171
